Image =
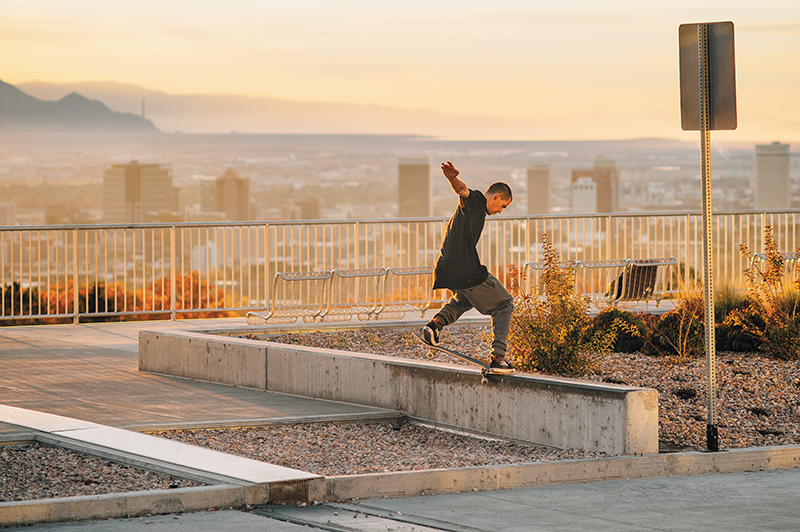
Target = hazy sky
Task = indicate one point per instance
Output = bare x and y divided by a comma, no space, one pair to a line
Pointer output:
569,68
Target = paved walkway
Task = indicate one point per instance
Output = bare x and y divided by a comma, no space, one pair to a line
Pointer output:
90,372
761,501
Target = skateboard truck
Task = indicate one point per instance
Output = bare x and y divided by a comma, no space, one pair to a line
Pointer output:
484,367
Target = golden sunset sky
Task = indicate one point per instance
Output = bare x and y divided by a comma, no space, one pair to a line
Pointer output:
565,69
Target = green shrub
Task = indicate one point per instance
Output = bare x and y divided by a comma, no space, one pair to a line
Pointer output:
733,335
629,339
680,333
726,299
553,335
772,318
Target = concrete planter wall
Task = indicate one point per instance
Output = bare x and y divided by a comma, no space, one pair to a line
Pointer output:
553,411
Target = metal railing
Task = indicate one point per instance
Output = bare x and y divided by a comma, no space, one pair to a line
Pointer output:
182,270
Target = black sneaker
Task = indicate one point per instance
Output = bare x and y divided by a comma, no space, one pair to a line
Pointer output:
430,333
499,365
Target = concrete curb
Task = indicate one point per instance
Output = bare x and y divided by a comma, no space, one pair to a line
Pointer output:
119,505
415,483
402,484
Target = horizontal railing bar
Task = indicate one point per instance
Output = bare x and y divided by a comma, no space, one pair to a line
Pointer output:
354,221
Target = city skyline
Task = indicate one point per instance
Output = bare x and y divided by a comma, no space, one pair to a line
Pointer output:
574,70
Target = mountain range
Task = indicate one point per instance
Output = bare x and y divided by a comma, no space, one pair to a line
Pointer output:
21,112
223,113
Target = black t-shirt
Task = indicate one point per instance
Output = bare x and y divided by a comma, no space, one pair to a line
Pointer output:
458,265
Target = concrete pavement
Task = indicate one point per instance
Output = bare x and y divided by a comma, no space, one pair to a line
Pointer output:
90,372
749,501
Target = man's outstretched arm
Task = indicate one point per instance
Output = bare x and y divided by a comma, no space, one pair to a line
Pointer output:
451,173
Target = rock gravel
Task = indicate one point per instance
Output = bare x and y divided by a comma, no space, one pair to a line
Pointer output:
332,449
37,471
758,397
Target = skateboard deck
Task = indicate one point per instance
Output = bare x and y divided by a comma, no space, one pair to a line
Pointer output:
485,368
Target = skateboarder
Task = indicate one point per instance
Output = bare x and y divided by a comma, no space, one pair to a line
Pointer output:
459,269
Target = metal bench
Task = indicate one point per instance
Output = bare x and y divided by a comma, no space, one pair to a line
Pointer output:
355,293
791,261
532,277
369,293
595,276
406,290
295,295
641,280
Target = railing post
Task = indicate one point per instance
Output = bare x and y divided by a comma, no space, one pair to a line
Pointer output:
172,277
75,298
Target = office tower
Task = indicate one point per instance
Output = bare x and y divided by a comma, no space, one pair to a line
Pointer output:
772,176
136,193
603,163
233,196
207,188
584,196
414,187
539,189
602,181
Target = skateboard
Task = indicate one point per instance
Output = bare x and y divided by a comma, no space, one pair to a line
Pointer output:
485,368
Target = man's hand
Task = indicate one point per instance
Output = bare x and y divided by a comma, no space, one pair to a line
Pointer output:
449,170
451,173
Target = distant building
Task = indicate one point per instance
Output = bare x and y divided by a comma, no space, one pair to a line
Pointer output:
208,193
233,196
539,189
606,178
602,162
414,187
584,196
135,193
772,176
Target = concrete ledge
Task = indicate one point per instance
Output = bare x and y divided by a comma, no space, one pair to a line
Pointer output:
205,357
558,412
415,483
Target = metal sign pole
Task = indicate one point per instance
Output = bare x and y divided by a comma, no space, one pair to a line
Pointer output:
712,437
707,61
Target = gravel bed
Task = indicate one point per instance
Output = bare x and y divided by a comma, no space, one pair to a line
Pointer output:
758,396
41,472
332,449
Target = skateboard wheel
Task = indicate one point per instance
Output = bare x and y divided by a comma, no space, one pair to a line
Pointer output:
484,380
430,354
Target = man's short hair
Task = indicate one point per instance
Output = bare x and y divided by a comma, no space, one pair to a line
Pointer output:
500,188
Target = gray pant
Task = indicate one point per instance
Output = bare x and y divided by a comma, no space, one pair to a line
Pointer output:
490,298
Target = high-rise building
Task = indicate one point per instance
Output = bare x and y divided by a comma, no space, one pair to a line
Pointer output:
602,181
233,196
135,193
601,163
584,196
539,189
772,176
414,187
